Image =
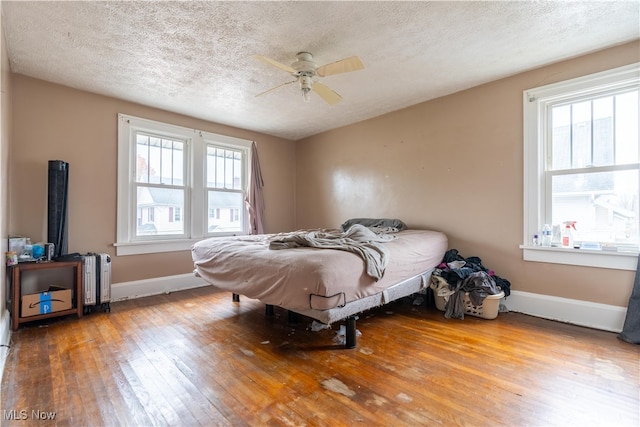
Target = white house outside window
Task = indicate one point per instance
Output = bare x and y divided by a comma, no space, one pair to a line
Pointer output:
169,180
582,164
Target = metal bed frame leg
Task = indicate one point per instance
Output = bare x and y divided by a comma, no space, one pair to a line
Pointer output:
351,332
269,310
293,317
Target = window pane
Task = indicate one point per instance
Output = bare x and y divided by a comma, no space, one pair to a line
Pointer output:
211,167
603,149
228,208
581,135
228,168
159,160
154,160
219,168
224,168
154,206
604,204
237,170
178,163
626,128
561,137
142,158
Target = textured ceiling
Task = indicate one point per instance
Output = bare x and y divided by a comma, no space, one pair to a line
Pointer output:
195,58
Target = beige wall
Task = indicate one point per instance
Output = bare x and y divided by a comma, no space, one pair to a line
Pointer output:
453,164
53,122
5,136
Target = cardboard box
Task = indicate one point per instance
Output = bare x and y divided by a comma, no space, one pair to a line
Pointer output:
46,302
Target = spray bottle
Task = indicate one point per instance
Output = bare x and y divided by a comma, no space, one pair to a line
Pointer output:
567,234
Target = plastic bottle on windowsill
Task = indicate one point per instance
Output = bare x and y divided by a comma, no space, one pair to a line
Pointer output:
567,234
546,236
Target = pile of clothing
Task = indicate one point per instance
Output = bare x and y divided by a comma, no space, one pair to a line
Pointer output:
456,276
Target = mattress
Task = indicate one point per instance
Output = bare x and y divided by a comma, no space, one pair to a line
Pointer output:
307,278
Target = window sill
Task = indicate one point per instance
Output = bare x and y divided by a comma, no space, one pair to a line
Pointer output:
583,257
158,246
151,247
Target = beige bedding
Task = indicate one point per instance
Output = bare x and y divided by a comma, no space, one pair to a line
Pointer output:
310,278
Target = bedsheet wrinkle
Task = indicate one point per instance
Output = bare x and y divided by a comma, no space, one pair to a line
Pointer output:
367,243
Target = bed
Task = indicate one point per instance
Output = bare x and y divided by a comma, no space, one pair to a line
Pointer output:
327,283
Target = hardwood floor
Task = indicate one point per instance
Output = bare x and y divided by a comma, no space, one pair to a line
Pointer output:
197,358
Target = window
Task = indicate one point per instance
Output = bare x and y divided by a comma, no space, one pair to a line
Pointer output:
225,188
170,180
160,182
582,164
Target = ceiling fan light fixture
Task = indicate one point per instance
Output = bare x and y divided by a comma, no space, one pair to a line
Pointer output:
306,95
305,87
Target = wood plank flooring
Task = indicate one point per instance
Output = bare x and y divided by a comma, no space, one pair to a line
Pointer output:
196,358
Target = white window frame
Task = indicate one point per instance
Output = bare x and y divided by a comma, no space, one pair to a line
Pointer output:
535,103
195,212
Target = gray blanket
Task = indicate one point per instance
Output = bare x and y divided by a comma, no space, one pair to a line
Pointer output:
358,239
399,225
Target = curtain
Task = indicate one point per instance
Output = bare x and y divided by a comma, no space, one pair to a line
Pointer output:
254,199
631,328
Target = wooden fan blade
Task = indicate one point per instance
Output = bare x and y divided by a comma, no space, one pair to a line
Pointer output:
326,93
275,63
343,66
276,88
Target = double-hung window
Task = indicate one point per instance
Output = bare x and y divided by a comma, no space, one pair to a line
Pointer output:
170,179
225,190
582,165
160,183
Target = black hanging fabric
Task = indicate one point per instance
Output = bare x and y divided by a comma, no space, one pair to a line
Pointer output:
57,206
631,329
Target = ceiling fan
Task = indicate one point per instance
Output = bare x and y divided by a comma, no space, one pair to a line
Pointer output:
306,72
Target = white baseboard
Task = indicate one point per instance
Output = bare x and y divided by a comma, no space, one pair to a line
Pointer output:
155,286
5,339
584,313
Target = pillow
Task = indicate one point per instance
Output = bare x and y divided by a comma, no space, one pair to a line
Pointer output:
374,222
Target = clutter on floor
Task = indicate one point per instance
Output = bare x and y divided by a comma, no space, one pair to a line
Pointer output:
465,286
